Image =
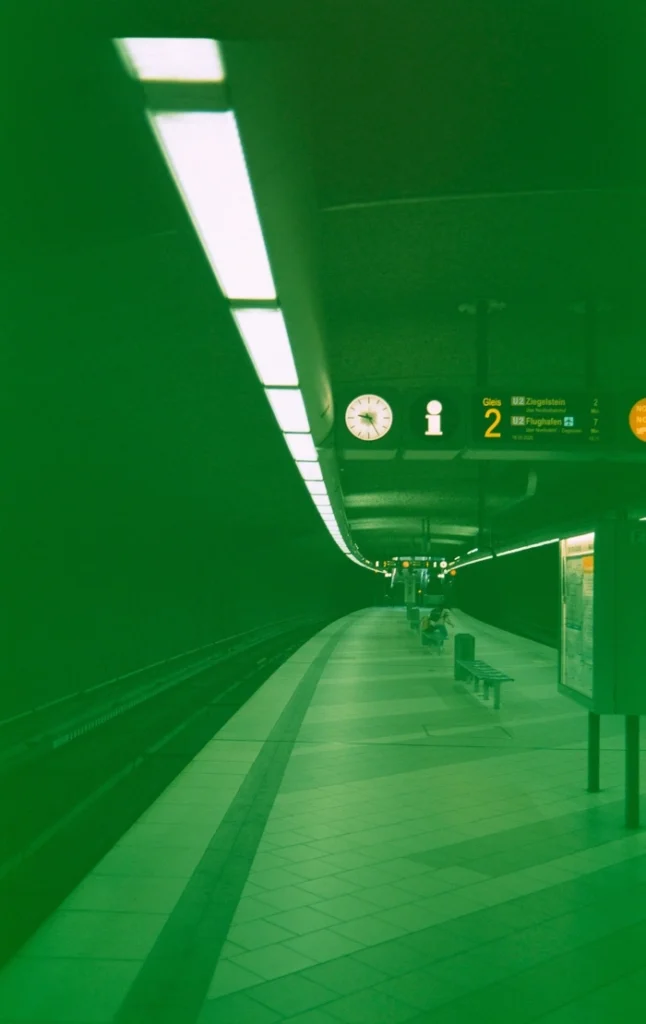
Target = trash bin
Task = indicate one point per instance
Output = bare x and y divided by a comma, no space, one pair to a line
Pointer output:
414,618
464,650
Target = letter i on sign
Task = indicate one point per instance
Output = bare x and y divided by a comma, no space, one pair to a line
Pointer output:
433,419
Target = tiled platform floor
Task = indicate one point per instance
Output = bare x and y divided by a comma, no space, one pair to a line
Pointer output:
405,853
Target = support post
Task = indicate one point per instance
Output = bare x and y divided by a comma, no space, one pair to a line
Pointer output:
594,751
632,771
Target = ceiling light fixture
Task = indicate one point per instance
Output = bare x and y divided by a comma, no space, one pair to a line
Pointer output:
310,470
265,336
173,60
474,561
526,547
301,446
204,152
316,486
205,155
289,409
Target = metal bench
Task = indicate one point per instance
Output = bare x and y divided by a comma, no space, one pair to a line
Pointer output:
481,671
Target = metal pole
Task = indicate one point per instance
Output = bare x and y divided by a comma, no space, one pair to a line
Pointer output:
594,751
482,376
632,771
590,343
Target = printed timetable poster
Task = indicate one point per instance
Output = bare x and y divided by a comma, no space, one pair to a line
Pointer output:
577,634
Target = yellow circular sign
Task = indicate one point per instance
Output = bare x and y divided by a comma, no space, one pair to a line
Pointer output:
637,419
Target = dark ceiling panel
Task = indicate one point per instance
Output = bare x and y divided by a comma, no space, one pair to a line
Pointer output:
494,99
549,247
406,345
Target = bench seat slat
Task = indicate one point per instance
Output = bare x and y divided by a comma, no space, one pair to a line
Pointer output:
484,671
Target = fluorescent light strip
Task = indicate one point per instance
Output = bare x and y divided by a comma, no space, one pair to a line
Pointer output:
316,486
173,60
474,561
205,155
301,446
310,470
289,409
265,336
526,547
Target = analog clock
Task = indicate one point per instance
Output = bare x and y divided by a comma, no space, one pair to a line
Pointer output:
368,417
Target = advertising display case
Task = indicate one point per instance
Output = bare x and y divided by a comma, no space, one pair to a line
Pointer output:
577,662
603,618
602,647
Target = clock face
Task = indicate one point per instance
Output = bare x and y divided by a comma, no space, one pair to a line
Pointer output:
368,417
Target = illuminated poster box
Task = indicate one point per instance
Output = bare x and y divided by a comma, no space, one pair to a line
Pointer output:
603,620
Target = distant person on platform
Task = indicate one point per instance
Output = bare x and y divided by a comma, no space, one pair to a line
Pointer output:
443,624
435,630
431,635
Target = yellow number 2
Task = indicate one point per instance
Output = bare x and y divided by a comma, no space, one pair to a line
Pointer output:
491,429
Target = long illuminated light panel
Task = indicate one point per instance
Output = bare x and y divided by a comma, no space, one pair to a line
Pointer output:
501,554
205,156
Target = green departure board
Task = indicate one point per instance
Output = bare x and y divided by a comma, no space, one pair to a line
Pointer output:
537,420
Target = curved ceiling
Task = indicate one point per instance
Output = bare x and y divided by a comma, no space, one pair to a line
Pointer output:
478,224
462,196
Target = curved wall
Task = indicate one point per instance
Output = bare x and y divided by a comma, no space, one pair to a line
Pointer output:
519,593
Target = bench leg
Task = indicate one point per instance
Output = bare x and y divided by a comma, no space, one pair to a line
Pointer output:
496,696
486,689
476,684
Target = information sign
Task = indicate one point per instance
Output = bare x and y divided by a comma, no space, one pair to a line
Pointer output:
637,419
537,420
430,562
436,419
